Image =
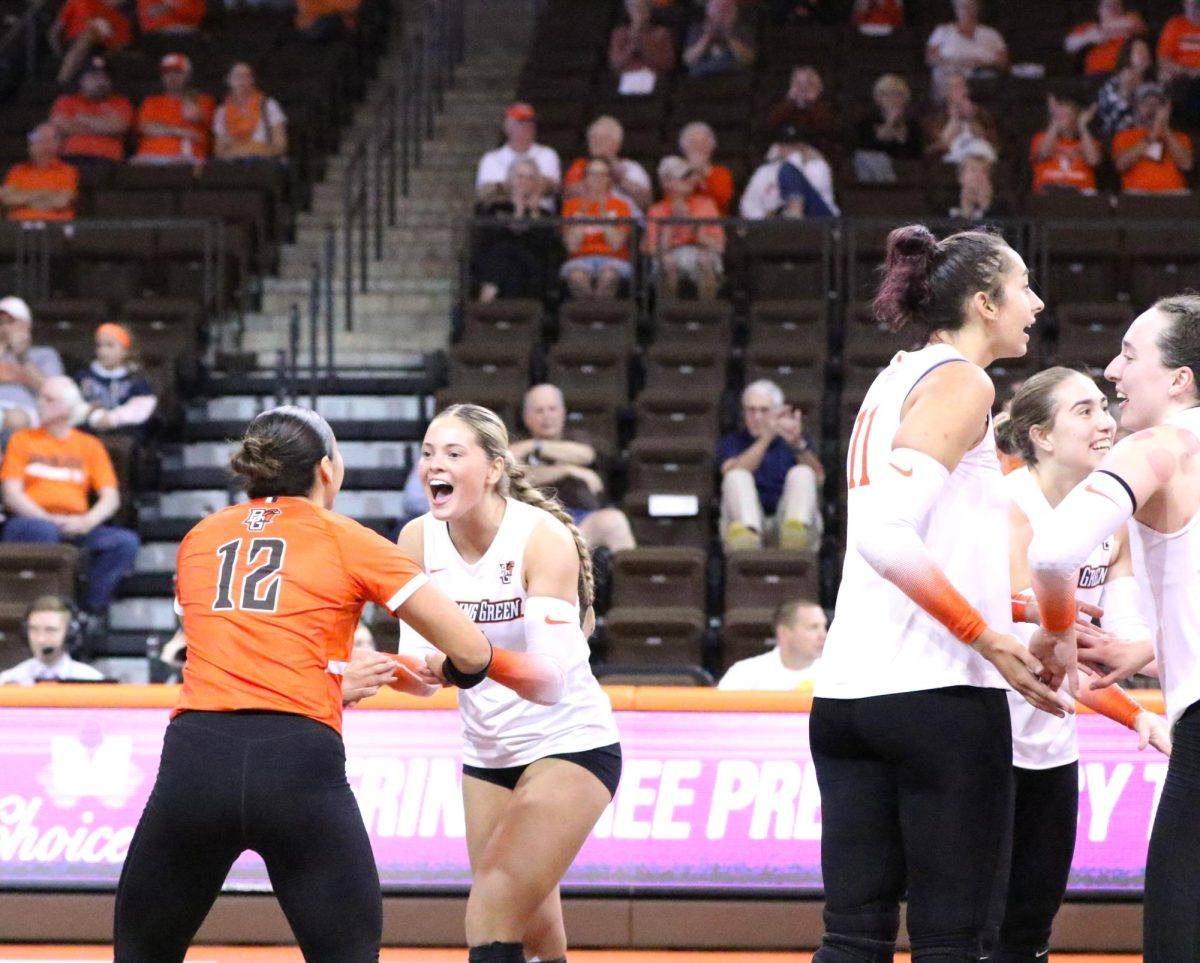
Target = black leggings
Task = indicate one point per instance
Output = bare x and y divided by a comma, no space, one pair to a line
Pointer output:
270,782
1047,811
916,796
1172,907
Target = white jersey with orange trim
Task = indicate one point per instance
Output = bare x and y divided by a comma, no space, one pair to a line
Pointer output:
500,728
881,642
1171,562
1040,740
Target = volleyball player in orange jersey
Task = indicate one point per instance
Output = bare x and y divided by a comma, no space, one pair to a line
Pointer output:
270,592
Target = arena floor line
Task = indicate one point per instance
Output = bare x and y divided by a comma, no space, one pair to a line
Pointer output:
286,954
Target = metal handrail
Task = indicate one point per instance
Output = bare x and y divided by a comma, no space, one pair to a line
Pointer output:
25,29
355,203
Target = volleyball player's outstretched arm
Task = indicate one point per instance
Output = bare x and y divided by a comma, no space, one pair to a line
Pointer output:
1130,474
945,417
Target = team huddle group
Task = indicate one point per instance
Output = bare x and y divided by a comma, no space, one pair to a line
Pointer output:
974,607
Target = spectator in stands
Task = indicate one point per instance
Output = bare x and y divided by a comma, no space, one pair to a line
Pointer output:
119,396
770,476
1114,101
48,627
511,257
640,52
720,44
977,198
1179,62
24,366
1065,154
680,250
48,475
1103,37
795,181
960,127
597,253
892,130
1151,157
790,663
44,188
249,125
520,140
877,16
324,21
94,121
87,25
174,127
697,142
630,180
804,107
567,462
170,16
964,48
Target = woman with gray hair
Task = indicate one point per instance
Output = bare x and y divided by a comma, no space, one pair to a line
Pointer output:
697,142
511,256
678,249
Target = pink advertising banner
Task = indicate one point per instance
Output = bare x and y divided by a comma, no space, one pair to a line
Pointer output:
708,801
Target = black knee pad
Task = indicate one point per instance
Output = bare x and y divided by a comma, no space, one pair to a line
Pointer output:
496,953
859,937
948,948
1020,954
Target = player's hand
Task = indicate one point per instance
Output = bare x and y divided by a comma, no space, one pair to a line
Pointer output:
1152,730
433,664
364,675
1057,654
412,676
1115,659
1022,671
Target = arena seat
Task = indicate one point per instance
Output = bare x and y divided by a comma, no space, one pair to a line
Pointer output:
667,414
517,320
677,675
762,577
667,464
656,635
597,368
708,323
746,632
685,368
604,321
683,526
28,570
645,577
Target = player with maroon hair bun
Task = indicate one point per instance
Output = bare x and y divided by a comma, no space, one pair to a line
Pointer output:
909,728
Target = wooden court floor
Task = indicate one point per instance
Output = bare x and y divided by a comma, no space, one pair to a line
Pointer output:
284,954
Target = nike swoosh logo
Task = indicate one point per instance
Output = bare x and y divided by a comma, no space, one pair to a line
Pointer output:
906,474
434,571
1096,491
550,621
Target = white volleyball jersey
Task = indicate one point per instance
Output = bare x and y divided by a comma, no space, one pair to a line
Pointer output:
500,728
881,642
1040,740
1171,563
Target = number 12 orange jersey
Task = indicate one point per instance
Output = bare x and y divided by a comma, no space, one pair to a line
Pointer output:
270,592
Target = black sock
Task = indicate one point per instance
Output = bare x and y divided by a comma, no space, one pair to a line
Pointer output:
496,953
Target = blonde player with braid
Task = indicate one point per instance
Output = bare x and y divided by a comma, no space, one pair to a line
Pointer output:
537,773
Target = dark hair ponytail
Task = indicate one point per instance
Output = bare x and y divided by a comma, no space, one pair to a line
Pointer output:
280,451
926,282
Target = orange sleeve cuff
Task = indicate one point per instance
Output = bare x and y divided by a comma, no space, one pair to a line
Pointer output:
1111,701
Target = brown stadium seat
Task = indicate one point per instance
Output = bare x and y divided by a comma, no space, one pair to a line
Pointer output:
666,464
764,578
517,320
685,369
620,673
708,323
668,415
746,632
684,526
604,322
28,570
645,577
496,366
775,322
656,635
598,369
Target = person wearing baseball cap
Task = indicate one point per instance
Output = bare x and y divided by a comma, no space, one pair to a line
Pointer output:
520,141
95,120
1150,156
23,366
174,127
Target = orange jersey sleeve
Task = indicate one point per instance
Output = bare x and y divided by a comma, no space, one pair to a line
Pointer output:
270,592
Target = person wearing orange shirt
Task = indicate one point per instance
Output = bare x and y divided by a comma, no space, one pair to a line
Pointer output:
249,125
174,127
87,25
170,16
683,250
93,121
270,593
1065,154
44,188
1103,37
877,16
597,254
630,180
325,20
697,142
1179,62
1151,157
48,475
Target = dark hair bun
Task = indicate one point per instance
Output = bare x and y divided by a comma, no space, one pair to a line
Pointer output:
256,459
1007,434
906,269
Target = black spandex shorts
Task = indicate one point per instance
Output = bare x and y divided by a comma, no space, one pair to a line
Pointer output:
604,763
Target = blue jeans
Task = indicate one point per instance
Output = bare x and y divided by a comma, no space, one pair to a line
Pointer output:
110,554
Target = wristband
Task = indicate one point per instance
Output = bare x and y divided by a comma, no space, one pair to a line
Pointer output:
1019,604
466,680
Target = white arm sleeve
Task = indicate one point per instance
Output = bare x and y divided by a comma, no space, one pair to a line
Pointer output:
1092,511
898,504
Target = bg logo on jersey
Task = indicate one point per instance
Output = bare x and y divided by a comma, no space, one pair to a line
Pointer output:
259,518
504,610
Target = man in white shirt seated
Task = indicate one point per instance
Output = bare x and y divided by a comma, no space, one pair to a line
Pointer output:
47,625
520,141
799,638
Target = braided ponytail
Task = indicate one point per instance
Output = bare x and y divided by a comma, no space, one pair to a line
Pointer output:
493,438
